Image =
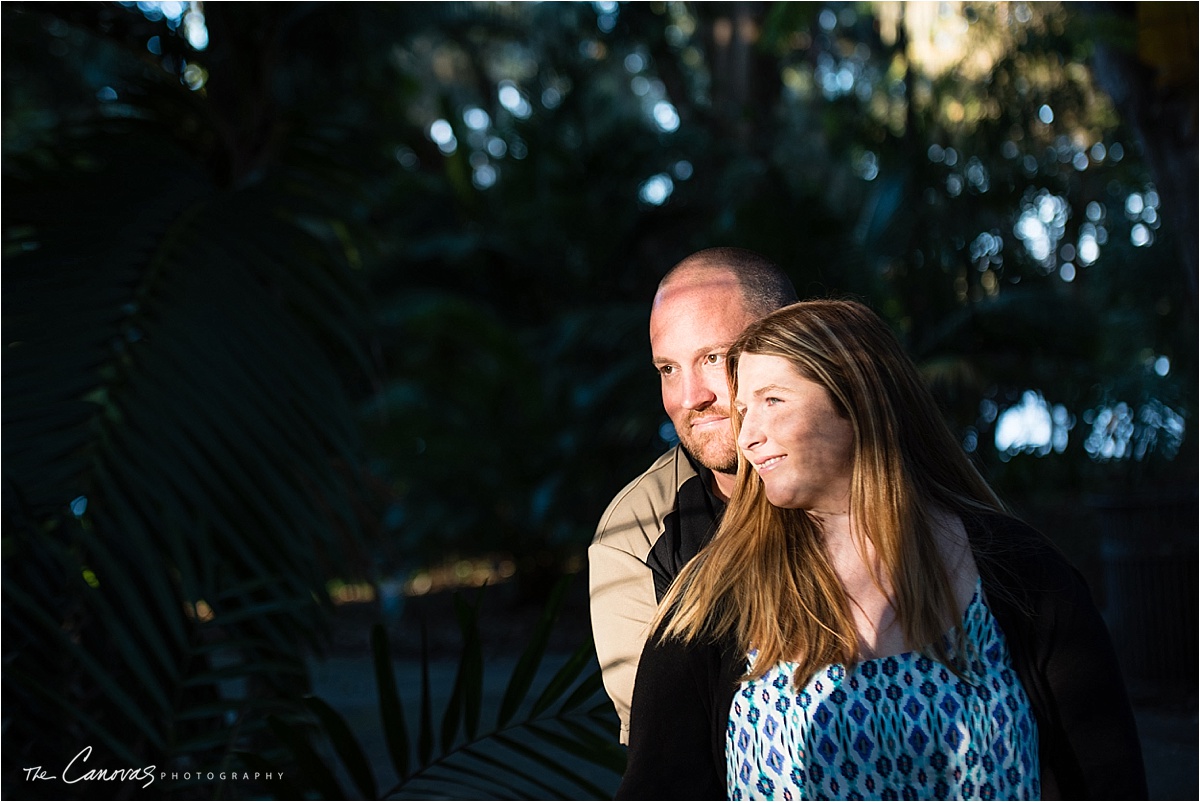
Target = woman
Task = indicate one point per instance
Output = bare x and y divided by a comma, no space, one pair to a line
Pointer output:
867,621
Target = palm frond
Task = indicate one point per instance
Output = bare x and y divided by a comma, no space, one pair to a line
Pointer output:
175,435
544,739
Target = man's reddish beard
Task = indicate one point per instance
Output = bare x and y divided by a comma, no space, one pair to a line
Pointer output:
696,445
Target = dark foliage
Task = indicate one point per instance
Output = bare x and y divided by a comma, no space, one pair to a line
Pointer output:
354,289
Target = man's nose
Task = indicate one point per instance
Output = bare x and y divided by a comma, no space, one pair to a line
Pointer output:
696,392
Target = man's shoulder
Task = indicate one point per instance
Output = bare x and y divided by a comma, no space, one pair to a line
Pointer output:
648,499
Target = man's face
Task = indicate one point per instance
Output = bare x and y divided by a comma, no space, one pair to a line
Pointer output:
693,322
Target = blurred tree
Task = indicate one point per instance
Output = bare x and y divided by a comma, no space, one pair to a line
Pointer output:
1145,58
279,276
978,126
181,461
957,165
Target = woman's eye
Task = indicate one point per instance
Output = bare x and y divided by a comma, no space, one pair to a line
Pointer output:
771,401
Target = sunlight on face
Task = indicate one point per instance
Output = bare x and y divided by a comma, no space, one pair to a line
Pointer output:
692,324
793,436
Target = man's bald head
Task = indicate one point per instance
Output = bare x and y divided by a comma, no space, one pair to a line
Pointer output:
764,286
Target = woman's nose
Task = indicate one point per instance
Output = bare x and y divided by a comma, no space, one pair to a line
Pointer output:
750,435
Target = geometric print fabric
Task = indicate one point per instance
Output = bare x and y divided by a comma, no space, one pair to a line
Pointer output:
898,727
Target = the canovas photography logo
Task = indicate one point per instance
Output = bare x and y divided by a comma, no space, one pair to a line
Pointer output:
76,771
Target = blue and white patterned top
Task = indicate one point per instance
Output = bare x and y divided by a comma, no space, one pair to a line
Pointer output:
900,727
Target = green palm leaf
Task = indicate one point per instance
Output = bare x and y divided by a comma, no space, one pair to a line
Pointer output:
531,658
391,709
545,741
179,450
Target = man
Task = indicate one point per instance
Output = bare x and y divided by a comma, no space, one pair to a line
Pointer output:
662,518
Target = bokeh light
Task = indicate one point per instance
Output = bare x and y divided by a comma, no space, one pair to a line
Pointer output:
1032,426
510,97
1041,225
442,134
666,117
656,189
476,118
1120,433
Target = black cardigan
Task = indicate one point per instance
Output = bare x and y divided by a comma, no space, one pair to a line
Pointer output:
1087,738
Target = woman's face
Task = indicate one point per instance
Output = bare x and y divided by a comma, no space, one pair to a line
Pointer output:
793,436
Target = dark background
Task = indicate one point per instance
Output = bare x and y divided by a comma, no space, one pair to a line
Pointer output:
312,306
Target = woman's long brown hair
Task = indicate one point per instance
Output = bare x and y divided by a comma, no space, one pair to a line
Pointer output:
766,576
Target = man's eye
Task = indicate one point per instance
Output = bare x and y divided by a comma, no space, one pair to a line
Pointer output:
666,370
714,359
